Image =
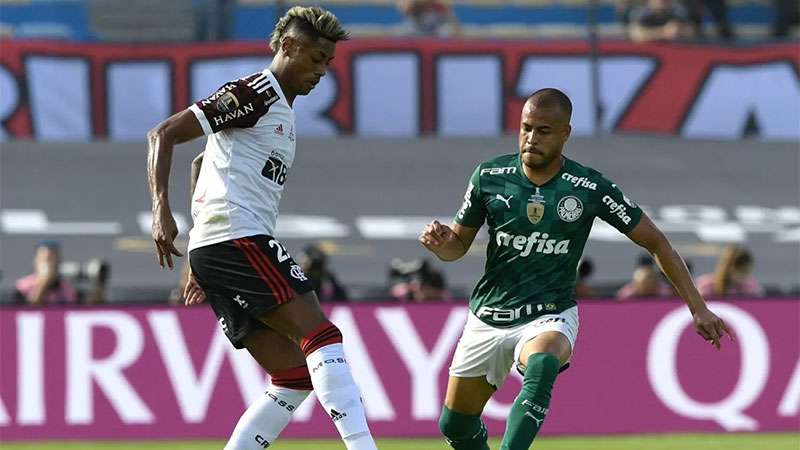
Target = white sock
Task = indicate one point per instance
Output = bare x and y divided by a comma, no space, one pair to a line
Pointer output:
339,395
266,417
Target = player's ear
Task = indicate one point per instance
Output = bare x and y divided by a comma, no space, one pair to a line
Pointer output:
567,131
289,45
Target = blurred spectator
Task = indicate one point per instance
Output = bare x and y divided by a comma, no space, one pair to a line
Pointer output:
429,286
430,17
45,286
624,8
646,282
585,271
314,263
214,19
659,20
719,12
416,281
732,276
787,15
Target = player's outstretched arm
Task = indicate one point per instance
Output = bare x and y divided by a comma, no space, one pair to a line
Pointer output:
448,244
706,323
180,127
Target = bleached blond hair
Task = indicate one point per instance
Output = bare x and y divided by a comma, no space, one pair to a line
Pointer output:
313,21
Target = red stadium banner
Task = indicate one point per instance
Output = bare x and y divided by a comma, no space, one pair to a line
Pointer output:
158,373
410,87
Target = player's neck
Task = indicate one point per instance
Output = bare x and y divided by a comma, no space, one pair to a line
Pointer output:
279,72
542,175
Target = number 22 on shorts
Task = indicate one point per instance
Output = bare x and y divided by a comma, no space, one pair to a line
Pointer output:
280,250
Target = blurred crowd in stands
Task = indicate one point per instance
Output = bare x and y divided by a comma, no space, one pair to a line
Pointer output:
670,20
217,20
57,282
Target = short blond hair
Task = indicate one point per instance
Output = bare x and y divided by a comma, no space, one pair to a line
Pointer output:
310,20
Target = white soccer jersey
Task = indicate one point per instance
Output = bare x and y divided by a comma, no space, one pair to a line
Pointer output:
250,149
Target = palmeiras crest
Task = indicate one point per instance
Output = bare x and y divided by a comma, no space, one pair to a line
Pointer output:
535,207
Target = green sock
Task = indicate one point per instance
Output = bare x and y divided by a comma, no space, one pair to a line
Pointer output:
532,403
462,431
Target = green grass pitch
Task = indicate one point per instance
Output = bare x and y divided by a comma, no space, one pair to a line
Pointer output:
656,442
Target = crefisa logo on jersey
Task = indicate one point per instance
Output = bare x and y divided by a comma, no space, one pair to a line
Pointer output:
535,209
467,202
579,181
570,208
535,243
227,102
617,209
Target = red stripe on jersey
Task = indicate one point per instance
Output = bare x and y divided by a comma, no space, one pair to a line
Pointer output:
325,334
273,286
289,292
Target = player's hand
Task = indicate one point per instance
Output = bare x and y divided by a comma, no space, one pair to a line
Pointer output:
193,294
164,233
435,235
710,327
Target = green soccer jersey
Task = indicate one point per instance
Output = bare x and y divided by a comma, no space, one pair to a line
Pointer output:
536,235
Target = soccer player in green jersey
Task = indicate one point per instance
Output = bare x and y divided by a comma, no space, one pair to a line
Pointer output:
539,207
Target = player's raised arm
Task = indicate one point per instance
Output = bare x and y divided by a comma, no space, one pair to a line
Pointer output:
448,244
178,128
706,323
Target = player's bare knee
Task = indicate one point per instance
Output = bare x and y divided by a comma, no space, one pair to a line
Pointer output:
554,343
272,351
296,318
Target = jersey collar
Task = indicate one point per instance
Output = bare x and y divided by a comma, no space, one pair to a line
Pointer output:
557,175
274,82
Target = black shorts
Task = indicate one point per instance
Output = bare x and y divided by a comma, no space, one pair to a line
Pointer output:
244,278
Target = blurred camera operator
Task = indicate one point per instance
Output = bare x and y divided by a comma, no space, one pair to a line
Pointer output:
314,262
416,281
45,286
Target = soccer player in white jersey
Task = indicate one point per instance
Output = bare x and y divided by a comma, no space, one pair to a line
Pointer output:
262,298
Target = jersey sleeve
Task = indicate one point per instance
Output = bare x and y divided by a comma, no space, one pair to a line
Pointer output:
616,208
473,212
236,104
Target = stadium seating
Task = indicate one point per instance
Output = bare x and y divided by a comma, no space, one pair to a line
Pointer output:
88,20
